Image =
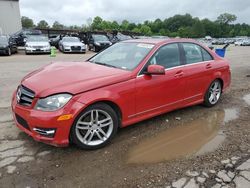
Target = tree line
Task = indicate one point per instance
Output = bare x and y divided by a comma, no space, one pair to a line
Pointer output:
178,25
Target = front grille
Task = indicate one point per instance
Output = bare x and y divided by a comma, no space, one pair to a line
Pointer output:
25,96
38,47
73,48
22,122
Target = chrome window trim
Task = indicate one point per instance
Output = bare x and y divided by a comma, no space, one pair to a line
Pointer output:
177,67
139,75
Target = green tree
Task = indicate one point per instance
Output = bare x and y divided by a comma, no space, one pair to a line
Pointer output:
226,18
97,23
27,22
125,24
115,25
146,30
43,24
57,25
198,30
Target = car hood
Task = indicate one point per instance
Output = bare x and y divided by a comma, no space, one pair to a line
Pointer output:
72,77
104,42
73,43
37,43
4,44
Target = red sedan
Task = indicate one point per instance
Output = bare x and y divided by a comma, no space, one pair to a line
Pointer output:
86,102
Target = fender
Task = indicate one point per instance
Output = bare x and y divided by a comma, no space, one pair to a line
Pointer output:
122,94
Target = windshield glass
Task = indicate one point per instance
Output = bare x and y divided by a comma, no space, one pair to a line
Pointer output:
123,55
71,39
37,39
123,37
100,38
3,39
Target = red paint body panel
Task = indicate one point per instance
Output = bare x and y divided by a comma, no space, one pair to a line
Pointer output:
138,96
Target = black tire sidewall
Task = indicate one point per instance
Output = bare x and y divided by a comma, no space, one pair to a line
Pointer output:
206,98
101,106
9,52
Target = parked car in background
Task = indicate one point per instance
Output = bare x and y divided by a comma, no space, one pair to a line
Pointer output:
7,45
246,42
207,43
238,42
71,44
37,44
98,42
55,41
86,102
21,36
120,37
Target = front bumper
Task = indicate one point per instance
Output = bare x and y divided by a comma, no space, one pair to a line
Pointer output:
37,50
44,126
75,49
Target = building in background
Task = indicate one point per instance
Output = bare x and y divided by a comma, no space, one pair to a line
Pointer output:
10,18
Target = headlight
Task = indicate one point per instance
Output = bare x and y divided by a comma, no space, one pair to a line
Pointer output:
97,43
53,102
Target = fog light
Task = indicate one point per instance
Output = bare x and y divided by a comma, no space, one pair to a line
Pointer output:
64,117
47,132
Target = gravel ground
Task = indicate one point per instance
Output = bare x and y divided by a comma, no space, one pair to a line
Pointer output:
191,147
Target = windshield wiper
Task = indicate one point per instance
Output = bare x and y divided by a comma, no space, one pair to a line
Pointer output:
105,64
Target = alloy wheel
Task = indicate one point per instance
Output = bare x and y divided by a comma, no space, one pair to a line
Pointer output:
94,127
214,92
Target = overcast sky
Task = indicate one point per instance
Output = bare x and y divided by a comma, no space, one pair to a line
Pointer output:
76,12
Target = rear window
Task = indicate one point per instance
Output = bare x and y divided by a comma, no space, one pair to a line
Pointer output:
206,55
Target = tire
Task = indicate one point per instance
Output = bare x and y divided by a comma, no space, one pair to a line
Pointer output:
213,93
94,48
8,52
86,133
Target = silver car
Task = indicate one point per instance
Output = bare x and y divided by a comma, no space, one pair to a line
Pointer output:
71,44
37,44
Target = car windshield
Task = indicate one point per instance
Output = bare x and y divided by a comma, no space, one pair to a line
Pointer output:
3,40
123,37
71,39
100,38
124,55
37,39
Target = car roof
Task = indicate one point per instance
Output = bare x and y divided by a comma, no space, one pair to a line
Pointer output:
157,41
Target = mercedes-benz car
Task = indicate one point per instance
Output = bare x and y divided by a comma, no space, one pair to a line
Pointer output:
86,102
37,44
7,45
71,44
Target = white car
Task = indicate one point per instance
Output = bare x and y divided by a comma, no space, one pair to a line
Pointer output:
71,44
238,42
37,44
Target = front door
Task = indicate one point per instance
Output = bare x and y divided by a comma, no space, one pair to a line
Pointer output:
159,93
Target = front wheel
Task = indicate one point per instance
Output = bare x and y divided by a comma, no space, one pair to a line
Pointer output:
9,52
213,93
94,127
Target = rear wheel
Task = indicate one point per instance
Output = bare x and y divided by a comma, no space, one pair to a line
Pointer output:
213,93
94,127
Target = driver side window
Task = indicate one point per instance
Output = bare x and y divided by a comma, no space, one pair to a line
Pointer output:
167,56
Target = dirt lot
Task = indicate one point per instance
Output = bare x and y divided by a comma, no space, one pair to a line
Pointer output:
152,153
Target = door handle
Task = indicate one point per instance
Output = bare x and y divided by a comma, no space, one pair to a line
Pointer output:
179,74
208,66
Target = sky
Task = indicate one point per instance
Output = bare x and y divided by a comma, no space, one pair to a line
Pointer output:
77,12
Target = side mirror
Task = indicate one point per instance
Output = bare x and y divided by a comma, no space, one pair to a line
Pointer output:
155,70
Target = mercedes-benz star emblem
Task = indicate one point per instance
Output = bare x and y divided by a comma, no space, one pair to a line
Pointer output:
18,95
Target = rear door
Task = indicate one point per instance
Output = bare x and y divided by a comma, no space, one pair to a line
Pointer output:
199,66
